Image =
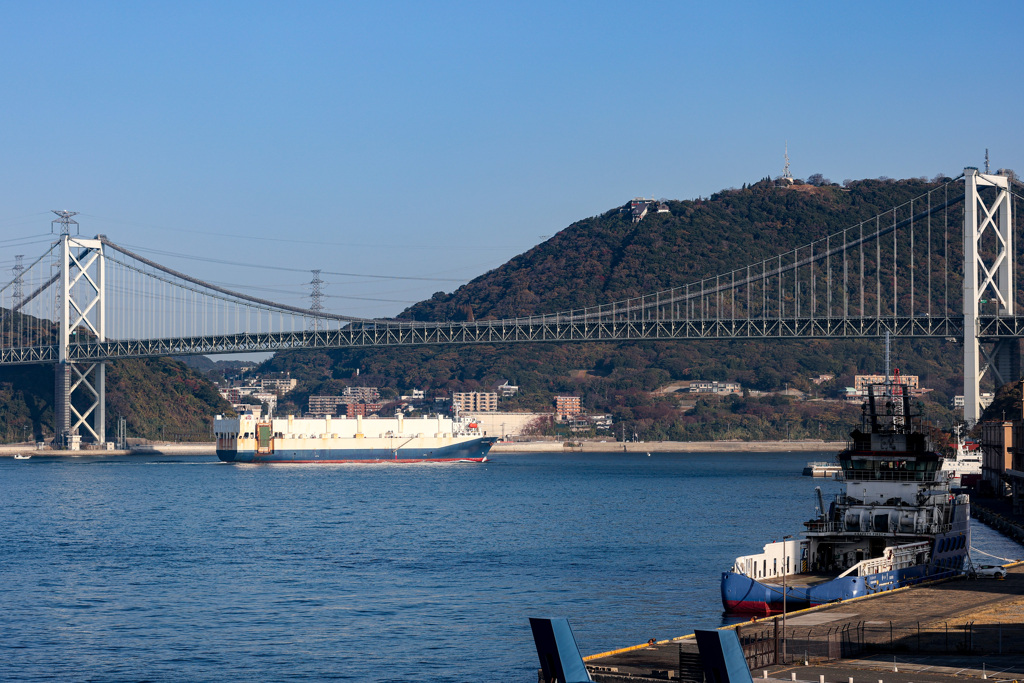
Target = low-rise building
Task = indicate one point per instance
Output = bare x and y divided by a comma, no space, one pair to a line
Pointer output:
506,390
703,386
362,408
281,385
475,401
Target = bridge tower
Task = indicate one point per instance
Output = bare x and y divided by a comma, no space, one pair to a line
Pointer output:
81,311
988,282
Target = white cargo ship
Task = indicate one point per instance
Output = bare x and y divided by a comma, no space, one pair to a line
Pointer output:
248,439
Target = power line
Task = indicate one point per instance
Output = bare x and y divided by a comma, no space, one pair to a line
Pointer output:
286,269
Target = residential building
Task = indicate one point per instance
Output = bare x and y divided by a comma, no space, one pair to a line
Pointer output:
703,386
364,409
361,393
325,405
506,390
475,401
566,407
281,385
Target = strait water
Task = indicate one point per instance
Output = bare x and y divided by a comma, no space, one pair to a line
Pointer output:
187,569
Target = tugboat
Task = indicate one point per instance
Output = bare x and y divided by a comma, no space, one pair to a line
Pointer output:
898,523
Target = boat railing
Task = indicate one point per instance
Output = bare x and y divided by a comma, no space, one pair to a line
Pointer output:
821,527
853,475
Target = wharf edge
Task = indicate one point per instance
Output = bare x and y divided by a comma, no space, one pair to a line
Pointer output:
946,599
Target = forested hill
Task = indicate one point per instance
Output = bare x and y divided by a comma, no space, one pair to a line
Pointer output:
159,398
607,258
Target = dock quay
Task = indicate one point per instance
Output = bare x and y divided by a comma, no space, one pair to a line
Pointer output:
949,629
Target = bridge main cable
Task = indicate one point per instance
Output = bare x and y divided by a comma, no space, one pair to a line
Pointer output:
238,295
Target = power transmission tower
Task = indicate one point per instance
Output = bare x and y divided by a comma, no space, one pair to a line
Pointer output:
65,221
316,299
19,292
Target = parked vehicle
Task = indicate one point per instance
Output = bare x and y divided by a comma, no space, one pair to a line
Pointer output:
987,571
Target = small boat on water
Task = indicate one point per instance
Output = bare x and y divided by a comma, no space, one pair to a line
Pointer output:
822,469
19,456
898,523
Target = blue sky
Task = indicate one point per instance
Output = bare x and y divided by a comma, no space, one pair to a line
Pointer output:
437,140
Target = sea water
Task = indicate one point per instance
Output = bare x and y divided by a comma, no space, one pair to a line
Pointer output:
187,569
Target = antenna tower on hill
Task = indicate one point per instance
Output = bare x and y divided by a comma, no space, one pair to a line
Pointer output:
786,175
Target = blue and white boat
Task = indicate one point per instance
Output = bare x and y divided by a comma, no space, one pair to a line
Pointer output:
438,439
898,523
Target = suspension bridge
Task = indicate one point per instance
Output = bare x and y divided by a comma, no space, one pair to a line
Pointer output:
89,301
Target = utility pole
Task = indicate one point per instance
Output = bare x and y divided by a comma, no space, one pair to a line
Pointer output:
785,568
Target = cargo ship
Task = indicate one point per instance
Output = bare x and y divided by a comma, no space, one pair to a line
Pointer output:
898,523
248,439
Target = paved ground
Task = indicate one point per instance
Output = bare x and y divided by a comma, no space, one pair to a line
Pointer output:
955,601
925,669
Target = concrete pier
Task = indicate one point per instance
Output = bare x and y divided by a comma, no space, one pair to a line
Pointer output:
990,648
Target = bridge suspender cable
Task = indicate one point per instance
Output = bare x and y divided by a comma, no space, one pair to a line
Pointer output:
238,295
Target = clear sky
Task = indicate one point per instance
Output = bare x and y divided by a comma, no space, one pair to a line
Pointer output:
436,140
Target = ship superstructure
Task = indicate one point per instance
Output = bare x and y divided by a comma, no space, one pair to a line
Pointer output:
897,522
247,439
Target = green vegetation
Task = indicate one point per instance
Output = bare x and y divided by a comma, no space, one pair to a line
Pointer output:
606,258
596,260
158,397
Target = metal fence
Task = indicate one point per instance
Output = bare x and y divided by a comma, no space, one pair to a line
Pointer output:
765,644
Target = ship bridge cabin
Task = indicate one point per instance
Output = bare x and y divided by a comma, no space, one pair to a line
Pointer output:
873,464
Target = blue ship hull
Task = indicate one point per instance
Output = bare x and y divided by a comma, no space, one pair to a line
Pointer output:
744,595
474,450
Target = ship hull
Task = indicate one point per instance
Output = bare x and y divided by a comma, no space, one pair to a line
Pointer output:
744,595
474,450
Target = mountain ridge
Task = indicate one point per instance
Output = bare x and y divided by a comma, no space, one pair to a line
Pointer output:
607,257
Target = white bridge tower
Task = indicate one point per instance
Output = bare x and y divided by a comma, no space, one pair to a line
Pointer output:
988,284
81,311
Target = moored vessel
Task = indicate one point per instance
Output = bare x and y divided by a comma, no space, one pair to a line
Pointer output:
247,439
963,465
896,524
821,469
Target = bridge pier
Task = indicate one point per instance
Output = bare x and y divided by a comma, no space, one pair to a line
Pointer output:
988,284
